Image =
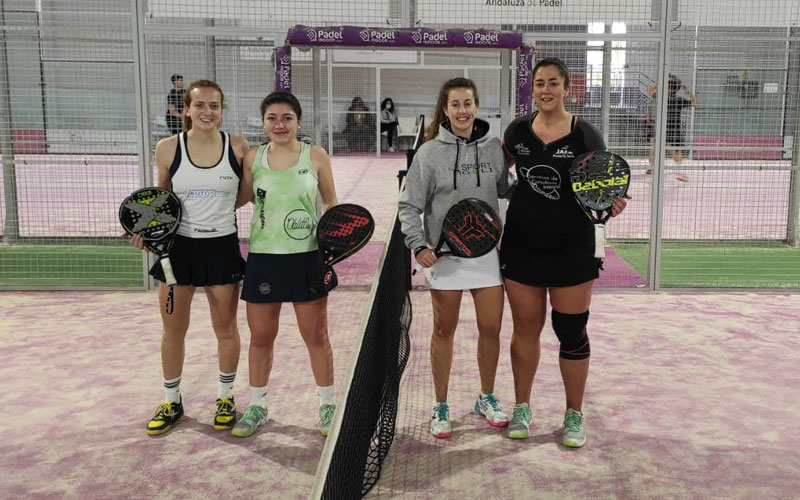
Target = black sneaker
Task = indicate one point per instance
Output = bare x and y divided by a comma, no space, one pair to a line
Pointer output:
167,414
225,416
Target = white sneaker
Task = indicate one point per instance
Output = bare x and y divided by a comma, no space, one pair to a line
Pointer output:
488,406
391,149
440,421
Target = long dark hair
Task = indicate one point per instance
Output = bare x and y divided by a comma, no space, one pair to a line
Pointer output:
383,104
441,103
187,99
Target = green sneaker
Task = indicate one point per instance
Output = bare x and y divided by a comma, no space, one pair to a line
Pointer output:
325,418
520,425
574,433
252,418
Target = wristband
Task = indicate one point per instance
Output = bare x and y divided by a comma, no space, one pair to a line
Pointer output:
419,250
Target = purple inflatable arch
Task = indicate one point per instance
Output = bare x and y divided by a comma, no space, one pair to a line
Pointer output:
404,38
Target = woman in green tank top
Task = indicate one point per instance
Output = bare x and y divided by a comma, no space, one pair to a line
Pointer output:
292,184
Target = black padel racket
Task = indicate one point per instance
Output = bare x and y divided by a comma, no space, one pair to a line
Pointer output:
597,178
341,231
154,214
471,228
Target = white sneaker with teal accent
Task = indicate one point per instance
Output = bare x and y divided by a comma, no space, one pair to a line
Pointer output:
253,417
574,432
520,425
440,422
325,418
488,406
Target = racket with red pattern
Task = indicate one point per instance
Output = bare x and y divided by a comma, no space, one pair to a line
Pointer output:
341,231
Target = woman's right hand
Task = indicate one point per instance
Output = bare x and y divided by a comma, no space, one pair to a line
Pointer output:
426,258
136,241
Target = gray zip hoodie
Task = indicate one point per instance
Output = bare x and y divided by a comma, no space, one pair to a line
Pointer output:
445,171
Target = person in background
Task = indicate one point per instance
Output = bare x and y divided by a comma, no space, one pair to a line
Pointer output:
389,122
174,116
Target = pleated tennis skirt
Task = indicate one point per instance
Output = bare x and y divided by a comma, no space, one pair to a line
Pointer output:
204,261
286,277
458,273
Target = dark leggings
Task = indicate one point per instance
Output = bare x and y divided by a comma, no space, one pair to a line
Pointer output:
392,128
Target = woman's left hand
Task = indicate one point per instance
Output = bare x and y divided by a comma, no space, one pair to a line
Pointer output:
618,205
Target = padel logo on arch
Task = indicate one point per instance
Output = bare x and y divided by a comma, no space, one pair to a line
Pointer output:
298,224
325,35
377,36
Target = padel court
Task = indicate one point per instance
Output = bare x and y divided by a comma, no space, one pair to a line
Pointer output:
693,391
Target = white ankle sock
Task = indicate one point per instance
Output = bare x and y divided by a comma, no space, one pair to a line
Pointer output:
172,390
226,385
258,396
325,395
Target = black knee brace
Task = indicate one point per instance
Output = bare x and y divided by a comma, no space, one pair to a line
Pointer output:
571,332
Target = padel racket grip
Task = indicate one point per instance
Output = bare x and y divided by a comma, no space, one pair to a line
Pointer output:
169,276
599,241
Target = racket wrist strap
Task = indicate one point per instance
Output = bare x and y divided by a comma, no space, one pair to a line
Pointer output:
599,241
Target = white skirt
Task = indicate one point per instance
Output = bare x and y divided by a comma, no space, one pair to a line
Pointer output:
458,273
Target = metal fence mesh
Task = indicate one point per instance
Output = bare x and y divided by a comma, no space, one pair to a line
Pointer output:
716,206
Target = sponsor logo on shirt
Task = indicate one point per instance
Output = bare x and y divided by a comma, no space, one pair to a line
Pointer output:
564,152
522,150
298,224
207,193
543,179
471,168
302,171
226,177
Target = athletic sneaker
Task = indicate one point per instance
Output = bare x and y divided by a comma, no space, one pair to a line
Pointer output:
520,425
253,416
325,417
488,406
167,414
440,422
225,415
574,433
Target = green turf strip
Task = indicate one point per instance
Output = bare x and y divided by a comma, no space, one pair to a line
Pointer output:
719,264
76,265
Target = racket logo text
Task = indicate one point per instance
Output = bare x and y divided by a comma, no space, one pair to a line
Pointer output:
600,183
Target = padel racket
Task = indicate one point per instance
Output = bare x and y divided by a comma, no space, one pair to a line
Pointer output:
341,231
471,228
154,214
597,178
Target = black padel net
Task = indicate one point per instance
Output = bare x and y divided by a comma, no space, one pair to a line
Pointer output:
343,230
154,214
363,426
597,178
471,229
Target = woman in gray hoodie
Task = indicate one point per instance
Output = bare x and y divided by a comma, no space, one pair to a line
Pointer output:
459,159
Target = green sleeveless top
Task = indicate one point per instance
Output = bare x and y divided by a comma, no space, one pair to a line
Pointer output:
286,212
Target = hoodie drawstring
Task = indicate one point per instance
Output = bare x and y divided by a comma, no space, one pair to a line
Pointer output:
477,164
455,167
